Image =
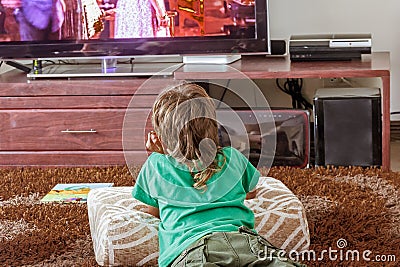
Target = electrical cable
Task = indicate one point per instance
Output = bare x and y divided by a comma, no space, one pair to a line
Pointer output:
18,66
65,62
293,87
223,93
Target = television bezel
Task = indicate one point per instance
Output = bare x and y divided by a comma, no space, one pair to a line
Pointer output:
260,44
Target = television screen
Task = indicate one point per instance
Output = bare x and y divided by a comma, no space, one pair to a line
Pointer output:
76,28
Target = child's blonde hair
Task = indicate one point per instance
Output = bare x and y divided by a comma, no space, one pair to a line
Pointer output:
184,117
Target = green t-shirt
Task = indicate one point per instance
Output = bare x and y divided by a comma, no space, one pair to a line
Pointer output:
187,213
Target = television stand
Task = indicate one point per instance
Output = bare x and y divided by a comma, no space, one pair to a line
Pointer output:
78,122
212,59
111,67
108,67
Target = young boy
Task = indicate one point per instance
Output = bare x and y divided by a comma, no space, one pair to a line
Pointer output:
197,188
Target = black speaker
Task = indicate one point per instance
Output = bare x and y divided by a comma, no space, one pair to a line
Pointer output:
348,127
278,47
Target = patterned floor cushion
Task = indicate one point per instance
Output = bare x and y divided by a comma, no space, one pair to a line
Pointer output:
123,235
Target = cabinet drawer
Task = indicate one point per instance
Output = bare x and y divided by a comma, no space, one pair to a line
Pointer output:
60,130
79,87
71,158
77,102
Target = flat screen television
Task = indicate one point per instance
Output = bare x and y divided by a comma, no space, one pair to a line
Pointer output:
43,29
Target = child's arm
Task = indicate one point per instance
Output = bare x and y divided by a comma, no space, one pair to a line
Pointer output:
153,211
251,194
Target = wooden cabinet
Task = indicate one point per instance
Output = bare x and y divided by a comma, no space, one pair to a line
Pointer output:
72,122
376,65
81,121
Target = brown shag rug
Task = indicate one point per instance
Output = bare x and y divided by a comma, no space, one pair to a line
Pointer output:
349,210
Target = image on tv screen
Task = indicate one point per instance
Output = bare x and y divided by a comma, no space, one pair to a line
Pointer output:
43,20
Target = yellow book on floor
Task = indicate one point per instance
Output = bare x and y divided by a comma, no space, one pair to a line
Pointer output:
72,192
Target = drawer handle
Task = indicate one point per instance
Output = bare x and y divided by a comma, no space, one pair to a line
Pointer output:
79,131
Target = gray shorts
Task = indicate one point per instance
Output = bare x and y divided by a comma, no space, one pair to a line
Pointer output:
241,248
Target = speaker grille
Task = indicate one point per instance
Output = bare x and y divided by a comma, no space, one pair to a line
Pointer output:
348,134
348,131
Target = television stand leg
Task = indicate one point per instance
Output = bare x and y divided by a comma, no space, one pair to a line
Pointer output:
211,59
18,66
108,64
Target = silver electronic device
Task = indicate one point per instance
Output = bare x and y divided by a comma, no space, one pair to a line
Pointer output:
313,47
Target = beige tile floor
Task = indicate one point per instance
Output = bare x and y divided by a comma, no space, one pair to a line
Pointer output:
395,155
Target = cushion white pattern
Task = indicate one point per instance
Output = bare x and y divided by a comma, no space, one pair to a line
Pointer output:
279,216
123,234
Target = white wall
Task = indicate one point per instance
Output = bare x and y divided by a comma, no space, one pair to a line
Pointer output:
380,18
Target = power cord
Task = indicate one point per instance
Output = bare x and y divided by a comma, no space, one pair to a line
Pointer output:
223,93
18,66
293,87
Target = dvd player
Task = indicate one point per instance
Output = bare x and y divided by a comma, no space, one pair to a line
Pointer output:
329,46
